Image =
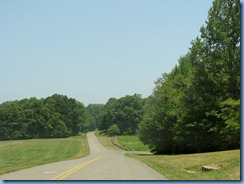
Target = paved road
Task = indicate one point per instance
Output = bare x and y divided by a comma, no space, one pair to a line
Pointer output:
101,164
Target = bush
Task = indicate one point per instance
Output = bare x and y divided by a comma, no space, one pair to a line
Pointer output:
113,130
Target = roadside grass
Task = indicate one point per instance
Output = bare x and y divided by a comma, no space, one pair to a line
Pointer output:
19,154
188,166
106,141
132,142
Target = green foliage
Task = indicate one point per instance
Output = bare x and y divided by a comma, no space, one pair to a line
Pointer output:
125,112
95,110
113,130
164,109
55,116
230,113
220,49
215,58
196,107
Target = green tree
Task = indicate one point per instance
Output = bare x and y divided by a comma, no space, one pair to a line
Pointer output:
56,127
95,110
195,108
164,109
230,114
125,112
215,59
108,116
220,52
55,116
130,112
113,130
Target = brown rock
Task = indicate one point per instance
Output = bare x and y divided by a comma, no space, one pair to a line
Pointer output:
209,168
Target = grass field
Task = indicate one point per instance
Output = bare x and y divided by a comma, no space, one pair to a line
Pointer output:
132,143
19,154
106,142
188,166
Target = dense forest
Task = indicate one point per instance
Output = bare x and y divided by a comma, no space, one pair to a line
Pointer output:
118,116
55,116
124,113
194,108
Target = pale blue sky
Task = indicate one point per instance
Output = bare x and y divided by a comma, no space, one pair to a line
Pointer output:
92,50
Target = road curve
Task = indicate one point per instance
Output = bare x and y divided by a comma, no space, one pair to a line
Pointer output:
101,164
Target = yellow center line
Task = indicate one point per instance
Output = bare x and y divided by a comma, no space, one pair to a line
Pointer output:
75,169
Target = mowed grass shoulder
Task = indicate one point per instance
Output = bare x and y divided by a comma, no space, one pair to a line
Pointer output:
132,142
19,154
189,166
106,141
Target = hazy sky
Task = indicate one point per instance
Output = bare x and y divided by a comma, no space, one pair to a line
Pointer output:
92,50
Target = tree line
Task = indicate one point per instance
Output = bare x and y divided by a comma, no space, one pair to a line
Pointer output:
122,115
55,116
196,107
59,116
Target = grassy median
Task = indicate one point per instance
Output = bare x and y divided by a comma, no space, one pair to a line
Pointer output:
19,154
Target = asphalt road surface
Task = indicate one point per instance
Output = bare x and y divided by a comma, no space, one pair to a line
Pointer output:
101,164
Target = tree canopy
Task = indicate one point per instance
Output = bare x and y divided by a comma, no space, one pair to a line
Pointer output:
125,112
55,116
196,107
95,111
